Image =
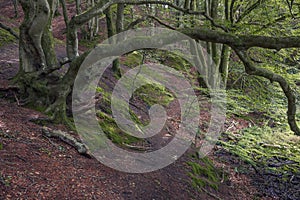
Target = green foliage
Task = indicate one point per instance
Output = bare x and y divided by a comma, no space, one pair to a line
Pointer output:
5,180
204,174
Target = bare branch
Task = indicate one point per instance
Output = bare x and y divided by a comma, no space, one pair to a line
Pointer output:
144,18
99,8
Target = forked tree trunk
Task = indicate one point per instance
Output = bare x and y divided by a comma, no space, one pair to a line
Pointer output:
38,59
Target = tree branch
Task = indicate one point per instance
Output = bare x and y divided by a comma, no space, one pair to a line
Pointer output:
99,8
284,84
242,41
144,18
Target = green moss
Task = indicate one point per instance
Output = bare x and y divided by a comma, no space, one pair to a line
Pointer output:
154,94
113,132
204,174
266,148
6,38
175,61
36,107
132,60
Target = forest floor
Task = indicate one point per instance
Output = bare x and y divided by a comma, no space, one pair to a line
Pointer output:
33,166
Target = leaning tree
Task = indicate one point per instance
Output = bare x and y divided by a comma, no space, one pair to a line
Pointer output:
224,25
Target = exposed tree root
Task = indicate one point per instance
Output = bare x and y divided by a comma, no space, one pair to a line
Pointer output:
67,138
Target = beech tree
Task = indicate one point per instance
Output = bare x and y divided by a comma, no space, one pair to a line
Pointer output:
226,26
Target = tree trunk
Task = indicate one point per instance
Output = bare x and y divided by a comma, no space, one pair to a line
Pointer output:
47,38
119,29
36,19
111,32
223,67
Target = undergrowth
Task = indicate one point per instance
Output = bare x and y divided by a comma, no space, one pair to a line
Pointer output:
271,149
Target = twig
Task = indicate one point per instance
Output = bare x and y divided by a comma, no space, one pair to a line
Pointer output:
20,158
138,148
18,102
144,18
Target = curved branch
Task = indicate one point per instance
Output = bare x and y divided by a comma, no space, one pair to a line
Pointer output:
284,84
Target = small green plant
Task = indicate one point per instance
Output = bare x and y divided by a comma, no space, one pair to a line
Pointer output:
46,151
5,180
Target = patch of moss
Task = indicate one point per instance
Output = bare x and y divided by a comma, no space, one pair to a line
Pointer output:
204,174
36,107
132,59
154,94
175,61
113,132
270,149
6,37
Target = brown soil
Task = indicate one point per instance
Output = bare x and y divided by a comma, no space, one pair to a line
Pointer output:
35,167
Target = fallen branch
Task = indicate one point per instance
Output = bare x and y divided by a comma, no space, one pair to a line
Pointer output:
67,138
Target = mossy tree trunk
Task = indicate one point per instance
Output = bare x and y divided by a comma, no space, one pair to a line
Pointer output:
112,30
39,86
